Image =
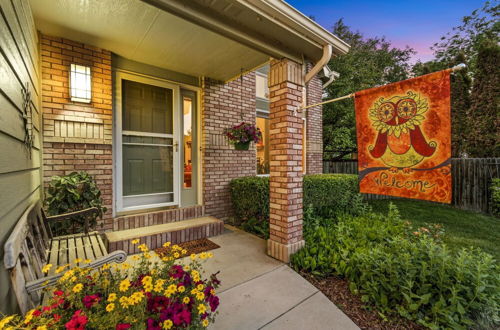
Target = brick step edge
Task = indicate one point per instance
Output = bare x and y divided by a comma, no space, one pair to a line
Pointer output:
175,237
157,217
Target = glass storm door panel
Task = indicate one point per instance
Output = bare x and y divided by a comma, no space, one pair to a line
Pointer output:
147,145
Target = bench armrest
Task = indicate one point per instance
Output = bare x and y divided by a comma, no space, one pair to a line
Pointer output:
70,215
118,256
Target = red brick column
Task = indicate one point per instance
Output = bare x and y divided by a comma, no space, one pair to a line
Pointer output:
285,86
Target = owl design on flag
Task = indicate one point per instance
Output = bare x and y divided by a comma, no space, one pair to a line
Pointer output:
400,143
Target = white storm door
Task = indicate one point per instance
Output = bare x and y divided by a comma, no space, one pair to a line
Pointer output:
147,154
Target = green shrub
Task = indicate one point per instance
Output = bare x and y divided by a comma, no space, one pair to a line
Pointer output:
407,271
250,198
495,197
327,195
73,192
333,194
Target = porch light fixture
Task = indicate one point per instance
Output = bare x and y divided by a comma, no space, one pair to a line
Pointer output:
80,83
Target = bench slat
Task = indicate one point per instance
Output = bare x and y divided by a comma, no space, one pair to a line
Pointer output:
71,249
96,246
54,253
63,251
80,253
87,248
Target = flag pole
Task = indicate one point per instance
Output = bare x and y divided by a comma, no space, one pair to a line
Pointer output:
453,69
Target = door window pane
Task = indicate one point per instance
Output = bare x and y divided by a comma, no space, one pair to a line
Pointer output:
187,105
261,88
263,146
146,108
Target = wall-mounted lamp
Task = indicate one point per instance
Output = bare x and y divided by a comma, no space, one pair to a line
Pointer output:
80,83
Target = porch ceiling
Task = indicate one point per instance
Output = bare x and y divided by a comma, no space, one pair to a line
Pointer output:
144,33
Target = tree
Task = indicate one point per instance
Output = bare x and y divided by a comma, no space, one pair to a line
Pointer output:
370,62
484,112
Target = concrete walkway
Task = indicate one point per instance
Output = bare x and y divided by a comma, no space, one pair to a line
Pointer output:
259,292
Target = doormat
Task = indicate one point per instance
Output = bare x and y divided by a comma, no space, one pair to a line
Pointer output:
192,247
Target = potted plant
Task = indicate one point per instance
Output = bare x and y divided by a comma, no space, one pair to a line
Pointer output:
242,134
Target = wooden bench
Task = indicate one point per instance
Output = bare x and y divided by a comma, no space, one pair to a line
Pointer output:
31,245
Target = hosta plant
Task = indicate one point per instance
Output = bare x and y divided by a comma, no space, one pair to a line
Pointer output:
152,292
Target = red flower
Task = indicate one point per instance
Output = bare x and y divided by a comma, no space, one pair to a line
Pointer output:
57,317
58,293
122,326
37,312
77,322
89,301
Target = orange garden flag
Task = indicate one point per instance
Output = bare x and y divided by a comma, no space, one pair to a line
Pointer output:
404,138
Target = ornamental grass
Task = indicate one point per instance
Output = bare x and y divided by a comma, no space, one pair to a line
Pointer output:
152,293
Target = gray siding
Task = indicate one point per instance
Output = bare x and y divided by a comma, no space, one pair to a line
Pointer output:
19,173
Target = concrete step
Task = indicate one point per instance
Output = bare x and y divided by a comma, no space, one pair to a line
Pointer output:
154,236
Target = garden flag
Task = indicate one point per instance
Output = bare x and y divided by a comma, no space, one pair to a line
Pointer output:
404,138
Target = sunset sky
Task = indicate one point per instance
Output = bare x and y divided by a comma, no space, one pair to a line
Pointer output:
418,24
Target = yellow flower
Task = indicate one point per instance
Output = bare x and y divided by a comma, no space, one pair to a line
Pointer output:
87,261
110,307
147,255
136,257
159,285
106,266
28,316
147,280
186,300
202,309
167,324
166,244
210,254
112,297
77,260
143,248
200,296
41,327
184,251
135,241
6,320
78,287
212,292
203,255
200,287
172,288
167,293
148,287
204,323
181,288
176,255
124,285
186,268
176,247
73,279
195,273
194,291
59,269
124,301
193,256
196,278
46,268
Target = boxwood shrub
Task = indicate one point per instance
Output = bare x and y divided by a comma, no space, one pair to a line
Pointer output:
406,271
328,195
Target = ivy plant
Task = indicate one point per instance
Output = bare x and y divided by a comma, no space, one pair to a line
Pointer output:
73,192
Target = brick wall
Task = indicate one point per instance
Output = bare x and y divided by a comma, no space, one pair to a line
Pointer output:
314,130
222,108
77,136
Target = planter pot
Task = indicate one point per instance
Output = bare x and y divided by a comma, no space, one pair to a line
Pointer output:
242,145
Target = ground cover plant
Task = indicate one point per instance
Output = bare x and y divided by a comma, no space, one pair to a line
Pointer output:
404,270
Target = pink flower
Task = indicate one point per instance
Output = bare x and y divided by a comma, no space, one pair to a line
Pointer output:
77,322
89,301
123,326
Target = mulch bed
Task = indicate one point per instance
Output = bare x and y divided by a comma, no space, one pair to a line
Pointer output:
337,290
196,246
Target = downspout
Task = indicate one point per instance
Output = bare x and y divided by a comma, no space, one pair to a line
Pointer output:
327,54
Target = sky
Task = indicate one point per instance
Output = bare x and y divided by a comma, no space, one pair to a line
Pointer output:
416,23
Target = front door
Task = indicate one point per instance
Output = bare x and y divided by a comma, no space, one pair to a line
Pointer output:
147,152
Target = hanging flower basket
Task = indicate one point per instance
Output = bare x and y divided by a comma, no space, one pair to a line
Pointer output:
242,135
242,145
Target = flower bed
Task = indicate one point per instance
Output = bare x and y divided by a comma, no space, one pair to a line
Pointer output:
154,293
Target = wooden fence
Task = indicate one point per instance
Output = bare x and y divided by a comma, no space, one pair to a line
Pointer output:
471,180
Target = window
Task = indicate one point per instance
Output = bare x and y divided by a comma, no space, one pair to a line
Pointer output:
262,120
